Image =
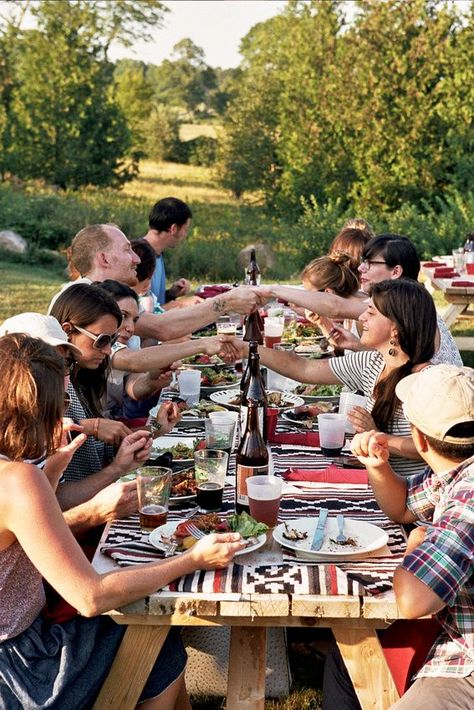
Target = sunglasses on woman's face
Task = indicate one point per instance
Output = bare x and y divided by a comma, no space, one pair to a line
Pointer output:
103,340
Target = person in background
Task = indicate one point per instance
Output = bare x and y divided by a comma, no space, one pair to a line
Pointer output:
351,240
64,665
437,572
387,256
102,251
145,270
169,222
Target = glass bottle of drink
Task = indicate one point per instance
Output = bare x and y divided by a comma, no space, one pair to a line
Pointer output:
469,249
254,389
252,272
251,459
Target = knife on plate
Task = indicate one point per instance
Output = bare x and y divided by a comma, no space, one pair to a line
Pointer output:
319,532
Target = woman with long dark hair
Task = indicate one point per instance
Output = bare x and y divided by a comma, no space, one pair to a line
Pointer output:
398,327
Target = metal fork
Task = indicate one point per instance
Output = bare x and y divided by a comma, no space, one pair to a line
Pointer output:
341,538
170,548
194,531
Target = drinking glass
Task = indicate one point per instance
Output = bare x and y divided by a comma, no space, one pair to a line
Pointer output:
264,494
210,467
332,433
153,487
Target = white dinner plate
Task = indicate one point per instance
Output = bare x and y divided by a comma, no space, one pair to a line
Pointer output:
162,443
367,536
225,397
168,529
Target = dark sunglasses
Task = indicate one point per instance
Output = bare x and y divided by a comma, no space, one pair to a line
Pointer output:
103,340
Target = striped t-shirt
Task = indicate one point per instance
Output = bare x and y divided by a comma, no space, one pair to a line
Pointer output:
360,371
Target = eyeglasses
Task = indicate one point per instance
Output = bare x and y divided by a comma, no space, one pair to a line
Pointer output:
103,340
67,402
369,262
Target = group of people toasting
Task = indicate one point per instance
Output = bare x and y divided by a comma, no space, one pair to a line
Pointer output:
59,466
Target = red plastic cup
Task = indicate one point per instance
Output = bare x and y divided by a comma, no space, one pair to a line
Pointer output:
470,269
271,421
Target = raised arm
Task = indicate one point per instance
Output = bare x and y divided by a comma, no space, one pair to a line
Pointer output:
180,321
321,302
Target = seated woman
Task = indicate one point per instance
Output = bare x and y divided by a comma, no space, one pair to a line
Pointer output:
332,274
399,327
351,240
388,256
65,665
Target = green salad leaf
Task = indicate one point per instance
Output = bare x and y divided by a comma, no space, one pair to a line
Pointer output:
246,525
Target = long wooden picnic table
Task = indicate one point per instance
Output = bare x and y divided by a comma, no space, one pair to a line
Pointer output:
267,588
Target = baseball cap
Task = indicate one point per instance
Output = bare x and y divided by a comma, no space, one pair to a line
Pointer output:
437,398
37,325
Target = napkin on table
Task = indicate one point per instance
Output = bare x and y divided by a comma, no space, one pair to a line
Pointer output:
306,438
331,474
461,283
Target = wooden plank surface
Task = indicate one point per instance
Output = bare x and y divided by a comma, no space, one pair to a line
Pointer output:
132,665
247,662
367,667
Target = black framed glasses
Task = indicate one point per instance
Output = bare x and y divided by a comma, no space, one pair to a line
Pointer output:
103,340
369,262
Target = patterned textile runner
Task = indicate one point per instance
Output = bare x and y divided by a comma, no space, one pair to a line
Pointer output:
128,545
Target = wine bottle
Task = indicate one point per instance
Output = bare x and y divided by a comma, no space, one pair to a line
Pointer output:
254,389
251,459
469,249
252,272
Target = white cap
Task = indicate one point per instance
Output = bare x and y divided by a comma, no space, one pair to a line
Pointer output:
437,398
37,325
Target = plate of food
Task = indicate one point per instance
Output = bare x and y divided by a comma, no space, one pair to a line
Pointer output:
183,485
307,414
199,362
361,537
297,330
313,350
180,447
174,531
215,379
281,400
316,393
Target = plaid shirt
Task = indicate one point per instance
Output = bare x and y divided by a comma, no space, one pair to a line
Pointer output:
444,562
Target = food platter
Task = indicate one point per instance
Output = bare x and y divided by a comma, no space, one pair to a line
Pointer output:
228,399
169,443
178,477
367,537
318,393
159,535
313,351
200,362
307,415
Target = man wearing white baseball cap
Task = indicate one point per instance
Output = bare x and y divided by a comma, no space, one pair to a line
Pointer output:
436,575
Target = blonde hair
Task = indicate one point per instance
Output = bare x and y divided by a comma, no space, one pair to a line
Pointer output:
332,272
31,397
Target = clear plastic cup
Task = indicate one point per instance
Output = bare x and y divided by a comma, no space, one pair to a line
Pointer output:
347,401
264,493
332,434
189,382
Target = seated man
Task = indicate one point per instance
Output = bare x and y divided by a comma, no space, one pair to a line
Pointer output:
437,573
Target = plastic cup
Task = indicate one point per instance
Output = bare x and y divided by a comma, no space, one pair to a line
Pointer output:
470,269
271,418
153,486
210,466
224,417
225,326
272,331
189,382
220,435
347,401
458,259
264,494
332,434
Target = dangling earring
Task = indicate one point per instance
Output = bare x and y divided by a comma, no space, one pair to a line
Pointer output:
392,351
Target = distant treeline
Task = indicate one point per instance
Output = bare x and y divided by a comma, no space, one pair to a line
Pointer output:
368,105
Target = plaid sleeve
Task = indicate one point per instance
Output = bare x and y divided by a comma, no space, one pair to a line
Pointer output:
444,560
419,500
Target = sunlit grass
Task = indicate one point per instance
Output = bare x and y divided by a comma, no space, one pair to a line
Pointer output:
26,288
188,131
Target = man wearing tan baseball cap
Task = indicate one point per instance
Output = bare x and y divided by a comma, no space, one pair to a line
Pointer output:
436,575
